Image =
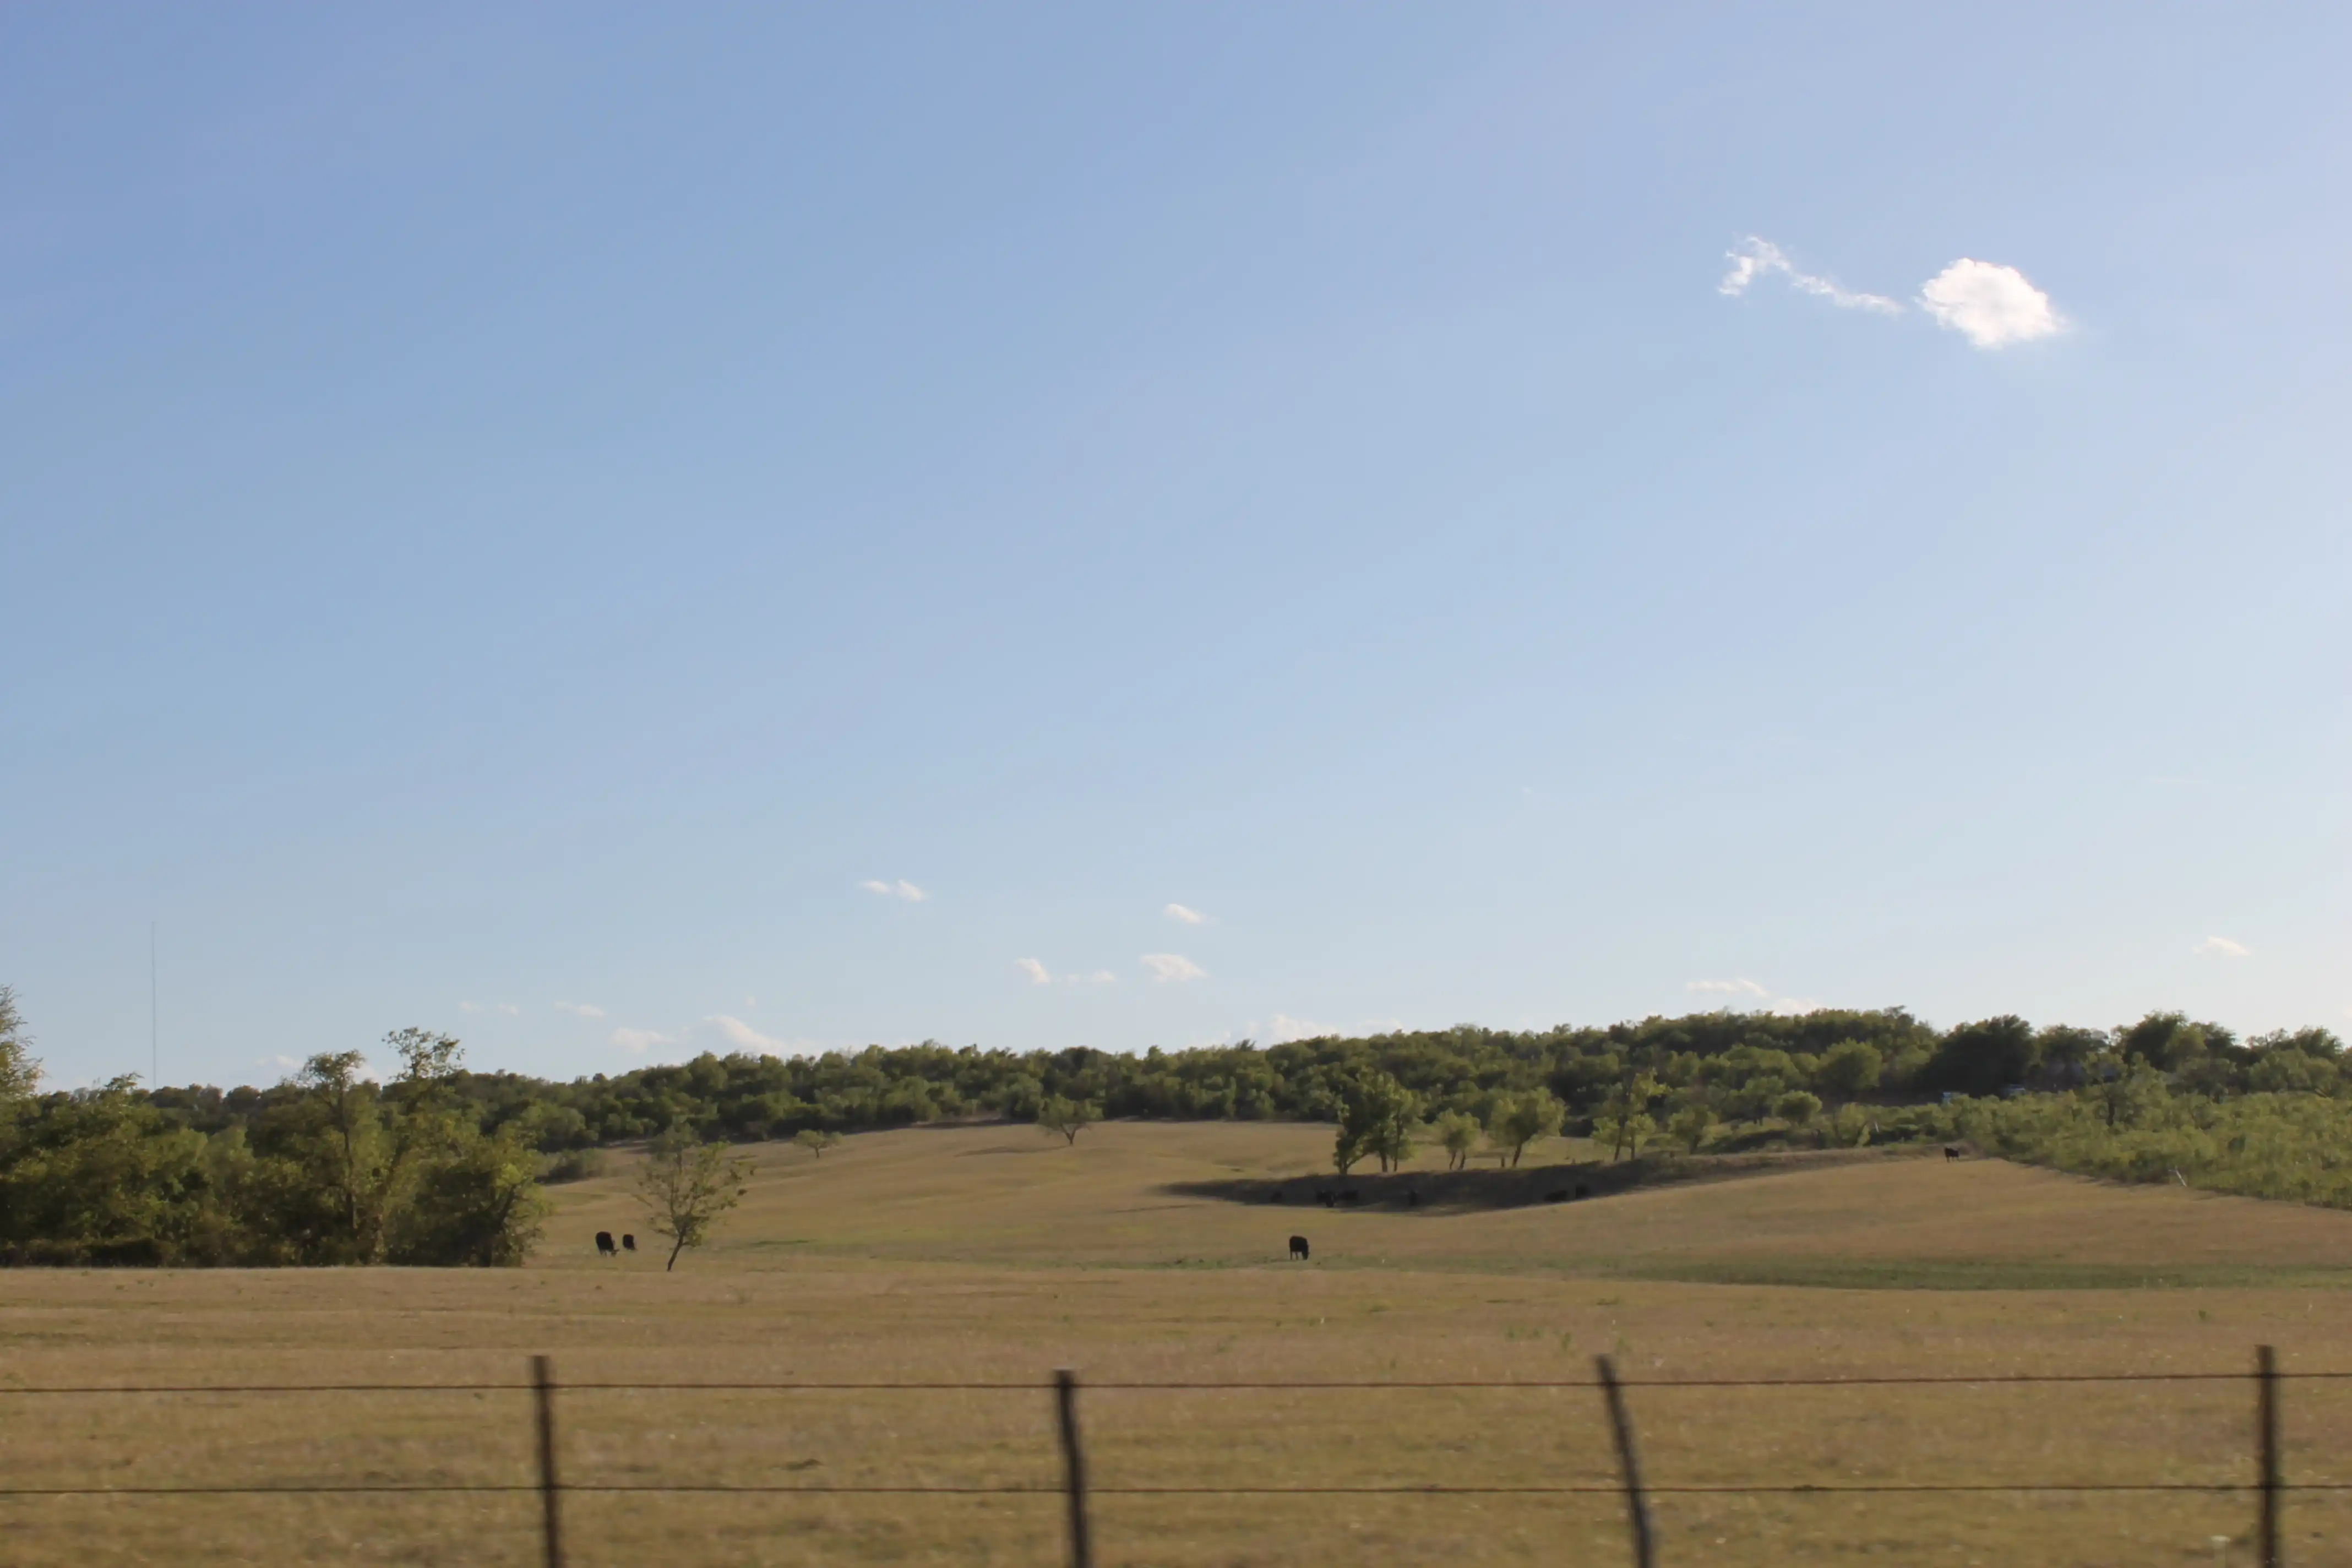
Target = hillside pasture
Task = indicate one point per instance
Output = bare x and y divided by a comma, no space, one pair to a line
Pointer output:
990,1253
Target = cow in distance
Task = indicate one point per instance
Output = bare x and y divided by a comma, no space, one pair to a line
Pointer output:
629,1244
1950,1153
1299,1248
604,1248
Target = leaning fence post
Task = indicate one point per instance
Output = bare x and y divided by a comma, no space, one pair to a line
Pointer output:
1073,1461
1637,1507
2266,1436
543,1375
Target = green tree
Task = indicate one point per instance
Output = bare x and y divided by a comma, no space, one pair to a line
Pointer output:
1984,1058
686,1186
1850,1127
815,1142
1522,1119
1848,1069
1378,1116
1458,1134
1691,1124
1797,1108
20,1073
1066,1118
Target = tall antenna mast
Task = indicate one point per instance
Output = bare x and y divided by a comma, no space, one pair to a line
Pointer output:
155,1019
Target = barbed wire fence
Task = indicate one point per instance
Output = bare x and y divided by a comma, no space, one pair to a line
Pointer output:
2268,1484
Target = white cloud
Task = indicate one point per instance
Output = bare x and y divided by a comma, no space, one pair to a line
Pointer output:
636,1042
580,1009
1994,305
1285,1027
742,1034
1166,966
1038,974
1728,988
899,889
2222,947
1189,916
1756,258
507,1009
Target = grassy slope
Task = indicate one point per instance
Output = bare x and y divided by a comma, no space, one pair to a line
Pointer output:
993,1253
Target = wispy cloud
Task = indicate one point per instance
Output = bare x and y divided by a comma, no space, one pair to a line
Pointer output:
1168,966
580,1009
1993,305
1187,917
1728,988
636,1042
1755,257
1038,974
505,1009
899,889
742,1034
2222,947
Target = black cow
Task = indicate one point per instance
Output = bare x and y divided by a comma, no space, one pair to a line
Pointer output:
1323,1198
1950,1153
629,1244
604,1248
1298,1248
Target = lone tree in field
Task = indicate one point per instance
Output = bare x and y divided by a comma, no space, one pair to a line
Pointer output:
815,1142
1066,1118
686,1186
1521,1119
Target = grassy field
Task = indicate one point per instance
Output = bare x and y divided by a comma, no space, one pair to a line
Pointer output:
992,1253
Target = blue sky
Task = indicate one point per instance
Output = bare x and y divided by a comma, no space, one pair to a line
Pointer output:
560,523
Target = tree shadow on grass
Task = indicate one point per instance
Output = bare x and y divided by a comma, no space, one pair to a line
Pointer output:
1458,1191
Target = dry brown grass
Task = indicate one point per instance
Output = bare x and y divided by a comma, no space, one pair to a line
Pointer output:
993,1253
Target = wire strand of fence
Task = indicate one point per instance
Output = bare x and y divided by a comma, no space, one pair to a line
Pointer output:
1302,1385
1596,1488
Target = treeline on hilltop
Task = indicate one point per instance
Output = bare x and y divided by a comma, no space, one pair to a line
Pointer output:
1740,1064
442,1165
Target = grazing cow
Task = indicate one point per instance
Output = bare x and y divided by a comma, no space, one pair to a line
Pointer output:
1950,1153
1323,1198
1298,1248
604,1248
629,1244
1556,1197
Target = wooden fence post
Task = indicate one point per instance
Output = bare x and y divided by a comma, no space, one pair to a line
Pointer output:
2274,1555
1073,1460
1637,1507
542,1372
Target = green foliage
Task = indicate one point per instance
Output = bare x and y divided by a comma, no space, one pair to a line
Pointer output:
332,1168
1522,1119
1066,1118
815,1140
2296,1147
1458,1134
1797,1108
686,1186
1850,1128
1378,1116
1690,1124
